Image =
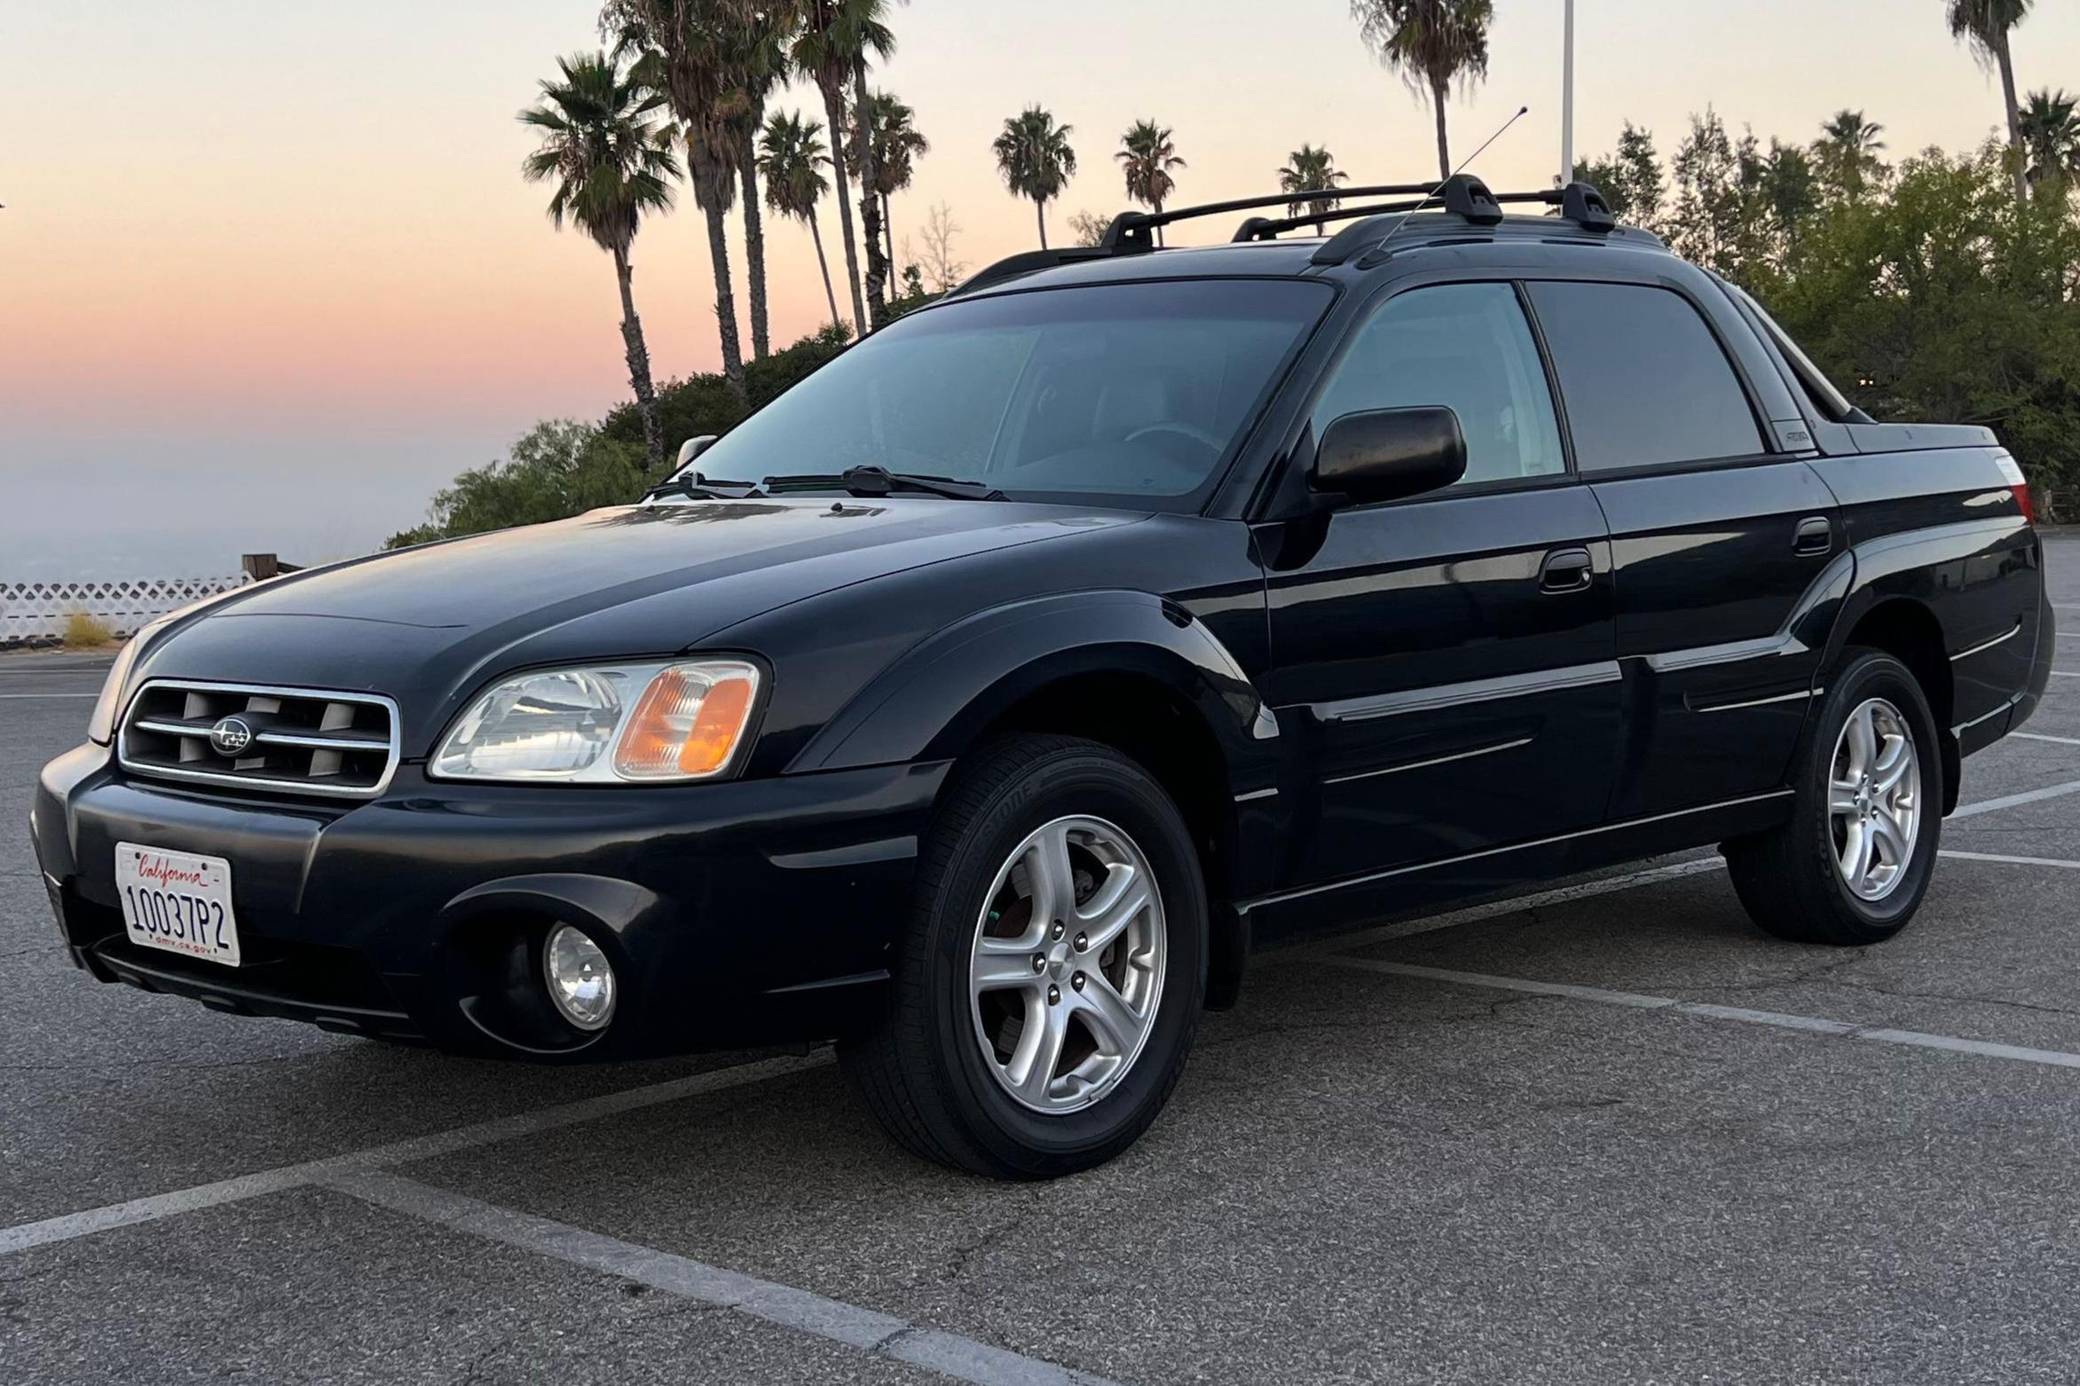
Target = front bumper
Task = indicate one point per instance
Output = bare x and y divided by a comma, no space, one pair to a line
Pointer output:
748,912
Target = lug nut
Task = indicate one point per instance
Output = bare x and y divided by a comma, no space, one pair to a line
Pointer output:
1082,942
1058,928
1077,981
1039,963
1054,996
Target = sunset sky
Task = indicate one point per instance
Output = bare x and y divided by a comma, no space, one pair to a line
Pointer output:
269,275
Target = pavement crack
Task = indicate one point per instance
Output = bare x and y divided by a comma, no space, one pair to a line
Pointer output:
967,1253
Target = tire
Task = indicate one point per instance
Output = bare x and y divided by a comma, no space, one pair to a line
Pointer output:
1792,880
933,1069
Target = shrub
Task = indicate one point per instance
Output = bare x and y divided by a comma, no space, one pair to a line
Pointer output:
86,632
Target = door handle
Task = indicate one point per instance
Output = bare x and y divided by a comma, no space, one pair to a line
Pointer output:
1815,536
1566,570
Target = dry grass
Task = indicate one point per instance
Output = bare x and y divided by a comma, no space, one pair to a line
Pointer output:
85,632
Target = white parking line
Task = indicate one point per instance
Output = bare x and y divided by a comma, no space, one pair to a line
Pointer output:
2039,736
875,1333
244,1186
2013,861
2065,674
2032,796
1912,1038
15,697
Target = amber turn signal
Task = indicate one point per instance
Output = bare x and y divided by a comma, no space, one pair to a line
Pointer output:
688,722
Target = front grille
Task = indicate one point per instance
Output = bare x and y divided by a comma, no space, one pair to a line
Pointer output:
293,740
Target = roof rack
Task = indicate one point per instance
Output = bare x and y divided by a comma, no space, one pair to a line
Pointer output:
1133,233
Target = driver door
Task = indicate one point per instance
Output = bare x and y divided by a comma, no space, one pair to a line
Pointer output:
1450,659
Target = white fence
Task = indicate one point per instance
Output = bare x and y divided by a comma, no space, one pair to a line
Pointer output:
34,613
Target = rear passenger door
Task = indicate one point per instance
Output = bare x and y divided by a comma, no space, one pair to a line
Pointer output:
1447,661
1724,547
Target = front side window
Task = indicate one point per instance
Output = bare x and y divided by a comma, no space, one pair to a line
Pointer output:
1645,381
1466,346
1126,392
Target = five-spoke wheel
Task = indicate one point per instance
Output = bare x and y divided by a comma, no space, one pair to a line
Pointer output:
1067,969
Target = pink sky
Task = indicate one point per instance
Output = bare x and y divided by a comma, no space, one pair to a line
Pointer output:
272,236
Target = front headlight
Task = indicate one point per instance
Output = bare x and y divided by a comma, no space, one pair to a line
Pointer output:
101,726
605,724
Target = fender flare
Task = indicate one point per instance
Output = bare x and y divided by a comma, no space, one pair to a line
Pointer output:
937,698
934,699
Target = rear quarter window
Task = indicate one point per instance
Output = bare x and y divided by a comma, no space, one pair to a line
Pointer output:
1644,381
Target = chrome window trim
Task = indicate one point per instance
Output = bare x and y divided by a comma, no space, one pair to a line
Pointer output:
1477,691
392,746
1433,760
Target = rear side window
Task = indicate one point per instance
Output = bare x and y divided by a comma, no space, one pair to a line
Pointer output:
1644,380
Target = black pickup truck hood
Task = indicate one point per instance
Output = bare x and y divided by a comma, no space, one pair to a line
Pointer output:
425,625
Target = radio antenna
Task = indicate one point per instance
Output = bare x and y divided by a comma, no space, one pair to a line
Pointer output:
1522,111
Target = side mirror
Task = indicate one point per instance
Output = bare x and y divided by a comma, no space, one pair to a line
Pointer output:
1388,454
691,449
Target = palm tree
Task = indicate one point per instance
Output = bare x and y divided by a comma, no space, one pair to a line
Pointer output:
762,67
1985,25
1431,43
2051,134
1147,156
1848,152
834,37
1311,170
695,51
610,160
1035,159
865,21
897,145
792,158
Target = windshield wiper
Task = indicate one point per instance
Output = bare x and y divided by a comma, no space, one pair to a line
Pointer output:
698,487
880,481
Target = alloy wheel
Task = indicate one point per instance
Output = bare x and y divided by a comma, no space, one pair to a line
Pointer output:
1066,971
1874,799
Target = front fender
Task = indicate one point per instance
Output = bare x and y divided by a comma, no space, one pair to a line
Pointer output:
933,701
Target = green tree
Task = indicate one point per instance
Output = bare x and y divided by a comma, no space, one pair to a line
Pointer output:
1791,192
2051,134
1630,179
1431,44
1311,170
829,48
898,145
1721,219
792,158
1089,228
610,160
1148,157
1945,298
1035,160
1849,154
1984,26
558,469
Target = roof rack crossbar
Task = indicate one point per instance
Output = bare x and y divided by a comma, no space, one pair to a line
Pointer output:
1134,231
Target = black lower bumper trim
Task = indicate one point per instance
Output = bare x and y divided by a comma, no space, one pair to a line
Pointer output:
246,1000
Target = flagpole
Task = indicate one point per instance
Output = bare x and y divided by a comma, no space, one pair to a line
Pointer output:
1567,98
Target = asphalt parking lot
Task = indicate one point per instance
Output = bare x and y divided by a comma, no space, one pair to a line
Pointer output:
1607,1133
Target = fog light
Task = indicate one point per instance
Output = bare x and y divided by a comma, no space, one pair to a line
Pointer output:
581,982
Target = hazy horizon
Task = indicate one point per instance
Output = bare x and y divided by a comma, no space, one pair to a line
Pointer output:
276,279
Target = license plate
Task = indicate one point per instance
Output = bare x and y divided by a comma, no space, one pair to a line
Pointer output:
177,902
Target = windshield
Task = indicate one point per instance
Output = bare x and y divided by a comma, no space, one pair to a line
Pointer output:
1133,392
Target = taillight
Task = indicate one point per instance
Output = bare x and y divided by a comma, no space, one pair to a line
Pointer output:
2029,507
2018,485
